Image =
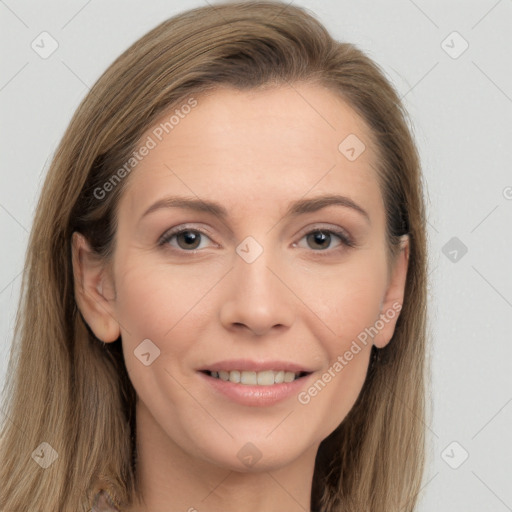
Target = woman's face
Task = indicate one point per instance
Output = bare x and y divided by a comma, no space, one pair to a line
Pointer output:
265,274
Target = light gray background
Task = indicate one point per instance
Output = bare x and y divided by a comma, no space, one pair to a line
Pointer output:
462,111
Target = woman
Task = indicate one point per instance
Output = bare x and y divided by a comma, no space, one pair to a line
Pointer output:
224,297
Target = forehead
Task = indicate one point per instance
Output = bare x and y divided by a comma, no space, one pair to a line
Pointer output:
237,146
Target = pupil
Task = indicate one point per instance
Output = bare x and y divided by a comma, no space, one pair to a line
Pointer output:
190,238
320,237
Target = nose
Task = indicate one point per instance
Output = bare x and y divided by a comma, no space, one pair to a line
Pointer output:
258,299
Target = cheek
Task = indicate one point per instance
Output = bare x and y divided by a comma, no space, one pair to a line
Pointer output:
158,304
156,300
346,298
169,306
336,387
347,302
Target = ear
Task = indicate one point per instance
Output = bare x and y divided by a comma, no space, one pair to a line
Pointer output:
94,290
394,295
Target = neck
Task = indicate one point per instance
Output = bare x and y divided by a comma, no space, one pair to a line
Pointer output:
172,480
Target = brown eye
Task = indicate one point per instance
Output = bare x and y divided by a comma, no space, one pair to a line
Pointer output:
186,239
319,239
322,239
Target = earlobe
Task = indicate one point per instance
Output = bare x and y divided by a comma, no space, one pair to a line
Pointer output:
94,290
392,302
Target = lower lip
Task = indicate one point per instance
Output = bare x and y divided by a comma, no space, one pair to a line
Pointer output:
256,396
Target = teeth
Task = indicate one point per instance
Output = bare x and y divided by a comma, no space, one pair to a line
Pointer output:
224,375
264,378
234,376
250,378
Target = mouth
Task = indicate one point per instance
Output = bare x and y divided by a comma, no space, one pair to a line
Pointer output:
253,378
256,383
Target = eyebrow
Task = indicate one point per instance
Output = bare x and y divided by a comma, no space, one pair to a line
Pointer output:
295,208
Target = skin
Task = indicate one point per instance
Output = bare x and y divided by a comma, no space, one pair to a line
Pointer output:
299,301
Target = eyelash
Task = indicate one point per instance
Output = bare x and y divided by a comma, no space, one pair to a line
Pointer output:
346,241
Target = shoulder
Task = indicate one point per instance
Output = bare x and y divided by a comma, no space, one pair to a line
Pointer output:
103,502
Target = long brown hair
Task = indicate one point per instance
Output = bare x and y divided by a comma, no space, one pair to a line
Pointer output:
70,390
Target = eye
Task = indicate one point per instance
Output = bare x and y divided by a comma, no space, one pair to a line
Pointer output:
321,239
186,238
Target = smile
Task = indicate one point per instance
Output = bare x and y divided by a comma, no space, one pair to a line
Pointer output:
261,378
262,388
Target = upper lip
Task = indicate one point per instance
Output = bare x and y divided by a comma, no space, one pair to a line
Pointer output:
255,366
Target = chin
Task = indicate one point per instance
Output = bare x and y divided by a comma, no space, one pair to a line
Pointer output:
250,456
